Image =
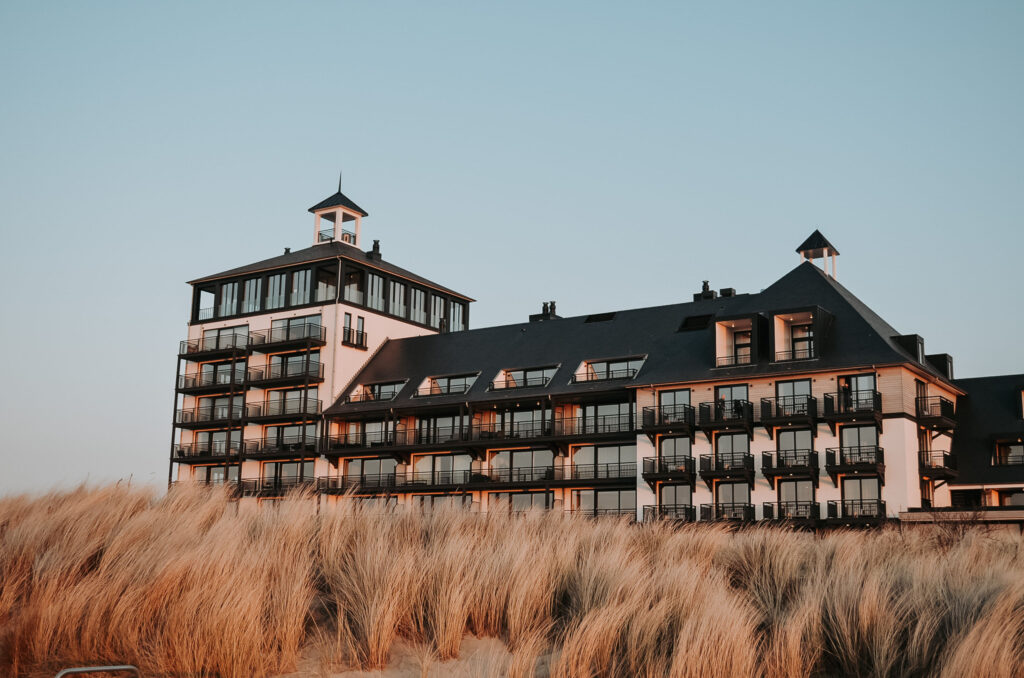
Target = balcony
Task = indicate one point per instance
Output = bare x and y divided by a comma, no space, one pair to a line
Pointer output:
727,415
801,410
790,464
285,374
604,512
604,375
678,469
436,480
668,419
866,460
212,348
209,451
275,487
327,235
270,411
282,447
231,485
525,475
936,413
806,513
209,417
221,382
733,360
607,424
684,513
434,389
600,474
805,353
856,512
287,338
531,381
736,512
853,406
732,467
381,483
937,465
354,338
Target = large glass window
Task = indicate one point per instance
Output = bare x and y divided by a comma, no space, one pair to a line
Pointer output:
457,317
522,465
397,299
425,503
741,347
796,491
675,495
228,299
792,397
285,472
326,283
292,401
218,442
1008,454
518,502
355,286
523,378
857,392
286,329
221,373
417,305
275,290
448,385
731,449
439,429
253,295
675,398
599,370
674,452
604,418
794,447
215,475
730,401
370,469
604,461
859,444
442,469
375,291
599,502
300,287
220,407
861,497
295,364
437,305
732,493
802,338
225,337
294,437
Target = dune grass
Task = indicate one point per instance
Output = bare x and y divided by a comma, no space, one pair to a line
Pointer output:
192,584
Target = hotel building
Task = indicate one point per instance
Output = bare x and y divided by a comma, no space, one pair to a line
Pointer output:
331,368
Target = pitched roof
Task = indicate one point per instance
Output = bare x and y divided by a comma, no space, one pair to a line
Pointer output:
859,337
989,412
339,199
322,252
817,245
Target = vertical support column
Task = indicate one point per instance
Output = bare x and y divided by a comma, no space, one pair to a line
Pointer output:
174,414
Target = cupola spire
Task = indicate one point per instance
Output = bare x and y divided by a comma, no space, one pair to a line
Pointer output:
817,246
332,214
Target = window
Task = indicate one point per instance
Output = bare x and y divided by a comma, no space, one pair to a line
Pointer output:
300,287
284,473
457,317
442,469
741,347
218,442
225,337
292,437
437,305
604,461
375,291
251,300
731,450
228,299
794,492
859,444
794,447
1008,454
287,329
368,470
447,385
418,305
215,475
524,378
397,299
220,407
275,291
731,494
516,424
326,283
857,392
370,433
604,418
802,341
292,401
355,286
221,373
674,399
675,495
518,502
734,342
792,397
601,502
860,497
426,503
382,391
439,429
519,466
674,452
600,370
731,402
295,365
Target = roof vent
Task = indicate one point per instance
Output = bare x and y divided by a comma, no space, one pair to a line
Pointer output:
727,292
547,312
695,322
599,317
705,292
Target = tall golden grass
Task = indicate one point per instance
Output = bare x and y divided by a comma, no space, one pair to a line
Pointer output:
192,584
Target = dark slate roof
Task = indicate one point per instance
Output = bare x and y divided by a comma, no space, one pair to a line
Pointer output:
816,241
857,337
339,199
989,412
321,252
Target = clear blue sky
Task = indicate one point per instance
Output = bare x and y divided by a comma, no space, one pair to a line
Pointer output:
606,155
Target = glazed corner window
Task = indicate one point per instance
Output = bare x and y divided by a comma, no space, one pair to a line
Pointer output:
1008,454
375,292
355,286
205,300
603,370
275,290
734,342
457,317
397,295
326,283
446,385
437,305
251,297
300,288
418,305
228,299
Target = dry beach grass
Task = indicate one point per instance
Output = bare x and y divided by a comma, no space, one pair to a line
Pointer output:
192,584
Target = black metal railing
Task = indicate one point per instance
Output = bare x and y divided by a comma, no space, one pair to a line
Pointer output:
211,379
853,402
731,462
597,512
274,486
935,407
524,382
221,342
665,465
435,478
207,414
856,508
380,395
784,407
367,482
605,423
288,370
279,445
937,459
280,335
205,313
733,360
351,337
668,415
805,353
217,448
855,456
283,408
525,474
784,460
681,512
791,510
325,235
726,511
603,471
434,389
726,412
604,375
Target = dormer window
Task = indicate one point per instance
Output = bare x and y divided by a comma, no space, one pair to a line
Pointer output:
605,370
794,336
449,385
734,343
382,391
524,378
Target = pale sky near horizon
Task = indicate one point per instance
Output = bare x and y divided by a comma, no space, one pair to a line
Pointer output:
605,155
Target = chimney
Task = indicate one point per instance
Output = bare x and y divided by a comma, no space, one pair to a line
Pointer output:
547,312
287,250
705,292
727,292
374,254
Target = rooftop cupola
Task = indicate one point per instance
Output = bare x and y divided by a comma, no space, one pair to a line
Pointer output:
333,214
817,246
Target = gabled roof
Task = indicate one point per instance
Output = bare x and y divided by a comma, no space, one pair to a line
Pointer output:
816,245
322,252
339,199
858,338
989,412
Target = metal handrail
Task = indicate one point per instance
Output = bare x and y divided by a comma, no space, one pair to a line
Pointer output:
935,406
677,464
230,378
208,413
685,512
864,454
525,382
668,415
797,354
605,375
789,406
733,360
277,335
791,510
856,508
736,409
719,511
351,337
221,342
937,459
276,408
848,402
283,444
313,368
784,459
732,462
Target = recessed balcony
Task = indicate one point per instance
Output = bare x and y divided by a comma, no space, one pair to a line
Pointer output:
275,487
853,406
221,382
804,353
856,512
603,512
213,348
799,410
282,447
208,451
209,416
790,464
288,338
668,419
727,467
282,410
866,460
285,374
936,413
727,415
437,480
662,469
798,512
734,360
520,476
729,512
937,465
684,513
380,483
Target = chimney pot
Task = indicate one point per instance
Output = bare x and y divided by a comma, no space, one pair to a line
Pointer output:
287,250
